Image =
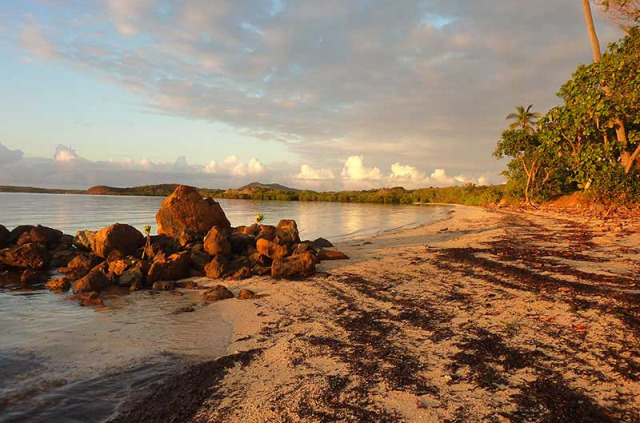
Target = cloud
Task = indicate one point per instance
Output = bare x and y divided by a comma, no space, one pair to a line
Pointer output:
32,40
421,82
309,173
9,156
355,170
65,154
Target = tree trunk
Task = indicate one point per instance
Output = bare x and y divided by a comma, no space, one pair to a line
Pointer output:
621,132
595,44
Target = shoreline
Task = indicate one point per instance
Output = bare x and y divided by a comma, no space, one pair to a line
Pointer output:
482,316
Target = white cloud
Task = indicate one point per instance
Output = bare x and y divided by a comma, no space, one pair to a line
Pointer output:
212,167
309,173
355,170
65,154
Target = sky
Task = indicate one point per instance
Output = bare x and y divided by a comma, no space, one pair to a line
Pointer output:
324,95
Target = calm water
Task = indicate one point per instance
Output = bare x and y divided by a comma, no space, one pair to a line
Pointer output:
60,362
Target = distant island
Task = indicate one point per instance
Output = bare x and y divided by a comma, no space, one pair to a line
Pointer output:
468,194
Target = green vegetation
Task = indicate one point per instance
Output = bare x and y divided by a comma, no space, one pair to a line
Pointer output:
591,142
469,194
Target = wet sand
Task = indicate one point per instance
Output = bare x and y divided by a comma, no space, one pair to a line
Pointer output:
486,316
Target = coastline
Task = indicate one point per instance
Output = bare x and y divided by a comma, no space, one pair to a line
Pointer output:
482,316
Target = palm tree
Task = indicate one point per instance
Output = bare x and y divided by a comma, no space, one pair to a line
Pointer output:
524,118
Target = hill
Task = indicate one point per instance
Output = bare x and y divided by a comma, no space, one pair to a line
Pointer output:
272,187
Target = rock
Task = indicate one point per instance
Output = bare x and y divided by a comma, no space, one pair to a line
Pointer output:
194,273
88,299
287,231
217,293
247,294
188,285
19,230
29,256
259,259
186,210
332,255
96,280
267,232
164,286
197,248
23,239
242,273
45,235
259,270
5,237
252,230
122,238
131,277
217,268
59,285
240,243
84,261
188,237
322,243
118,267
200,260
293,267
84,240
271,249
32,277
171,268
303,247
217,242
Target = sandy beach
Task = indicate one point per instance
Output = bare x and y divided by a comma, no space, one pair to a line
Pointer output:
485,316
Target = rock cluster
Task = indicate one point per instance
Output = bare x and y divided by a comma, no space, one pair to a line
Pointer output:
194,238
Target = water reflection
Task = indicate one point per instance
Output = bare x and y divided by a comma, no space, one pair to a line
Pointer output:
335,221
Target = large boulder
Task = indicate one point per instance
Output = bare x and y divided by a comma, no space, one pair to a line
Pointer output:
122,238
271,249
186,210
84,240
287,232
294,267
172,268
217,242
28,256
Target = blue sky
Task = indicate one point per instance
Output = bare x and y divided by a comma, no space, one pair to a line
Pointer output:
343,94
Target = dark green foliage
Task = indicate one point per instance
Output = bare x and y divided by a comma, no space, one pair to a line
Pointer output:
589,143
